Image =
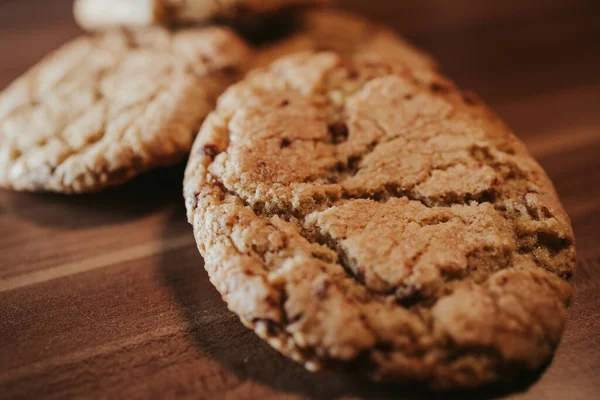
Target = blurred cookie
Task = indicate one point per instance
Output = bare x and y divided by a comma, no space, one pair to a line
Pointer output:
99,14
367,214
104,108
342,32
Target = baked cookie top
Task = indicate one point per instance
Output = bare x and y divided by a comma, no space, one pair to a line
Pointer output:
348,34
104,108
100,14
355,212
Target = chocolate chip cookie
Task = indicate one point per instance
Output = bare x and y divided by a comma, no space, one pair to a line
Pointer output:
99,14
364,214
107,107
320,29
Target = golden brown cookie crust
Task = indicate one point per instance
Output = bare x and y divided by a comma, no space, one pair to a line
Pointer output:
104,108
359,213
102,14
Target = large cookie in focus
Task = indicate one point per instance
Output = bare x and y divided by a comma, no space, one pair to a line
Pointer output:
362,213
107,107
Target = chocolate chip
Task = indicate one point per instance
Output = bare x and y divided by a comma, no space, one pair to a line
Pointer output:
438,87
339,132
408,96
210,150
285,142
195,201
284,103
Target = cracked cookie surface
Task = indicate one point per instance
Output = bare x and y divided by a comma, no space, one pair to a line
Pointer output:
364,214
326,29
99,14
103,108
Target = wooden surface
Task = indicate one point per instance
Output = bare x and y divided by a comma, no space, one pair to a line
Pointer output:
104,296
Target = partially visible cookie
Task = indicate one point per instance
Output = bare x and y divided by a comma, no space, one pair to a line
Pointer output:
367,214
99,14
104,108
348,34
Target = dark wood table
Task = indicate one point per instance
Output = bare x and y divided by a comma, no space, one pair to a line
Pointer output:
104,295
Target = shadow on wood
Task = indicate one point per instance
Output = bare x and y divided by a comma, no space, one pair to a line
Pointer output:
137,198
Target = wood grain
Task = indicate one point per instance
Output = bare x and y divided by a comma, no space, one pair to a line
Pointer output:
104,296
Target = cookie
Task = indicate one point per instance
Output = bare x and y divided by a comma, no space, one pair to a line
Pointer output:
345,33
99,14
362,214
105,108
